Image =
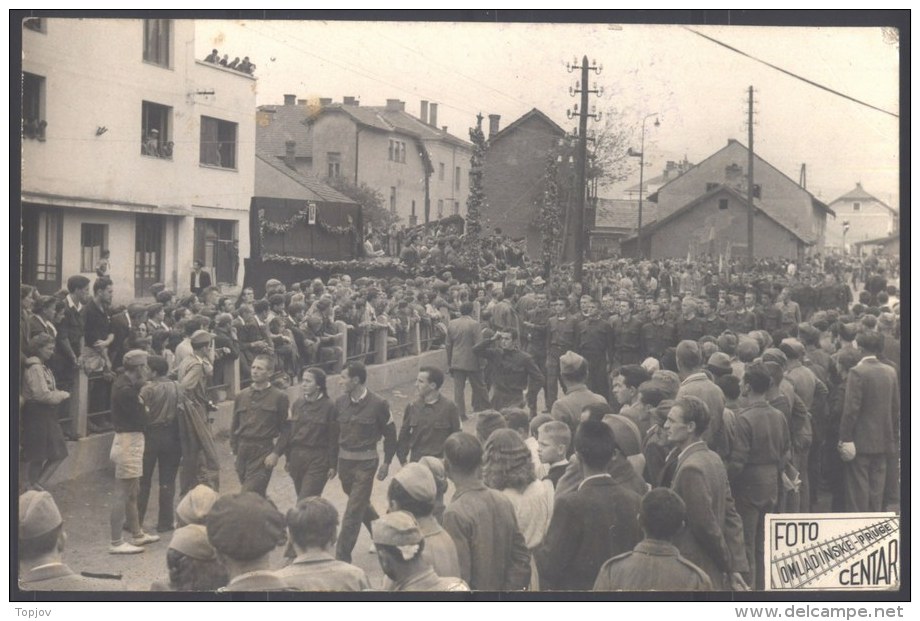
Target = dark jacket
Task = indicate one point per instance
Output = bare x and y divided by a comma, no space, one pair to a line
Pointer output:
871,408
589,526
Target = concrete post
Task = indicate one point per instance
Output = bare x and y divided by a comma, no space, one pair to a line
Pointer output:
341,342
79,403
233,376
380,345
415,339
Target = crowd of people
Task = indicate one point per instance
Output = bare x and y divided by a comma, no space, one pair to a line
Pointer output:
243,66
683,401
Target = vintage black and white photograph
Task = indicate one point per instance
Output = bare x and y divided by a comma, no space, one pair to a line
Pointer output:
341,306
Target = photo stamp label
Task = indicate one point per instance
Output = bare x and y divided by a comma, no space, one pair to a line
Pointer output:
832,551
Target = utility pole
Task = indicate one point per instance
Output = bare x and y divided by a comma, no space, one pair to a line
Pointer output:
750,188
582,88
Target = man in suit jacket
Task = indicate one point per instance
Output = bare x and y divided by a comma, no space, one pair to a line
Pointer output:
463,333
714,538
591,525
200,279
869,428
694,382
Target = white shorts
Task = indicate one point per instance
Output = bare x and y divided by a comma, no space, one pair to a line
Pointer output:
128,454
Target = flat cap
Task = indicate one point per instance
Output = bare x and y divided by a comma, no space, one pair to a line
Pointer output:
627,434
570,363
201,337
398,528
669,382
192,541
135,358
775,355
157,287
136,308
418,481
154,308
720,362
245,526
196,504
38,514
793,348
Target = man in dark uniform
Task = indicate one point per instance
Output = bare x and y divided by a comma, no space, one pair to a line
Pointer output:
627,335
595,342
512,369
655,564
561,331
760,448
70,332
535,324
260,415
749,318
690,327
364,418
771,315
713,324
427,421
657,334
41,547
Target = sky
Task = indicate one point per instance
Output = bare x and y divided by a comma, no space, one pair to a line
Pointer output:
697,88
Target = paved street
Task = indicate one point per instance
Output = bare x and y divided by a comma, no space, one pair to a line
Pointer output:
85,503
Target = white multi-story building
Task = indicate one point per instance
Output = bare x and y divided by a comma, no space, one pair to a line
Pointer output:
132,145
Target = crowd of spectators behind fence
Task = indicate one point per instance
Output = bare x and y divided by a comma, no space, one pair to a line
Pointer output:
679,354
243,66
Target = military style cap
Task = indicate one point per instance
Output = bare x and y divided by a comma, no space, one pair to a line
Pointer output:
570,362
418,481
793,345
436,466
195,505
775,355
245,526
720,361
201,337
38,514
136,308
192,541
135,358
396,529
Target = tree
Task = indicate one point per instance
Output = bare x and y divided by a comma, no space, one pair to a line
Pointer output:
611,164
372,203
551,215
475,200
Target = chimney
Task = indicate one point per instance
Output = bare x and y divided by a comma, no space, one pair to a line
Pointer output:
493,124
289,100
301,102
289,153
433,115
349,100
325,101
423,114
395,105
444,128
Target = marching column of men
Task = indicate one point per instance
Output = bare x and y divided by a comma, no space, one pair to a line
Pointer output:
682,422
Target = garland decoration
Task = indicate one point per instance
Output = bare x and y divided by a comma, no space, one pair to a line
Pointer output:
303,215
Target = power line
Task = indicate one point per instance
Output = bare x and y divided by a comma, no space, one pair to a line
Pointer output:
794,75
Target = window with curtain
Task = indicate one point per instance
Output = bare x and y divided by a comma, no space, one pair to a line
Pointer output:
156,41
92,243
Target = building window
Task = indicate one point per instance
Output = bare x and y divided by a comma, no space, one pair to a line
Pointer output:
156,41
392,199
723,203
34,23
155,130
218,143
756,190
856,206
441,171
397,151
33,106
440,209
333,163
711,186
218,249
457,178
456,208
48,264
92,243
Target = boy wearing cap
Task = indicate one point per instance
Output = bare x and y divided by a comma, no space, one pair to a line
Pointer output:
41,547
127,452
257,432
244,529
400,544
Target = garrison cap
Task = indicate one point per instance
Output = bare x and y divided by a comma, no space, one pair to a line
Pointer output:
38,514
245,526
398,528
